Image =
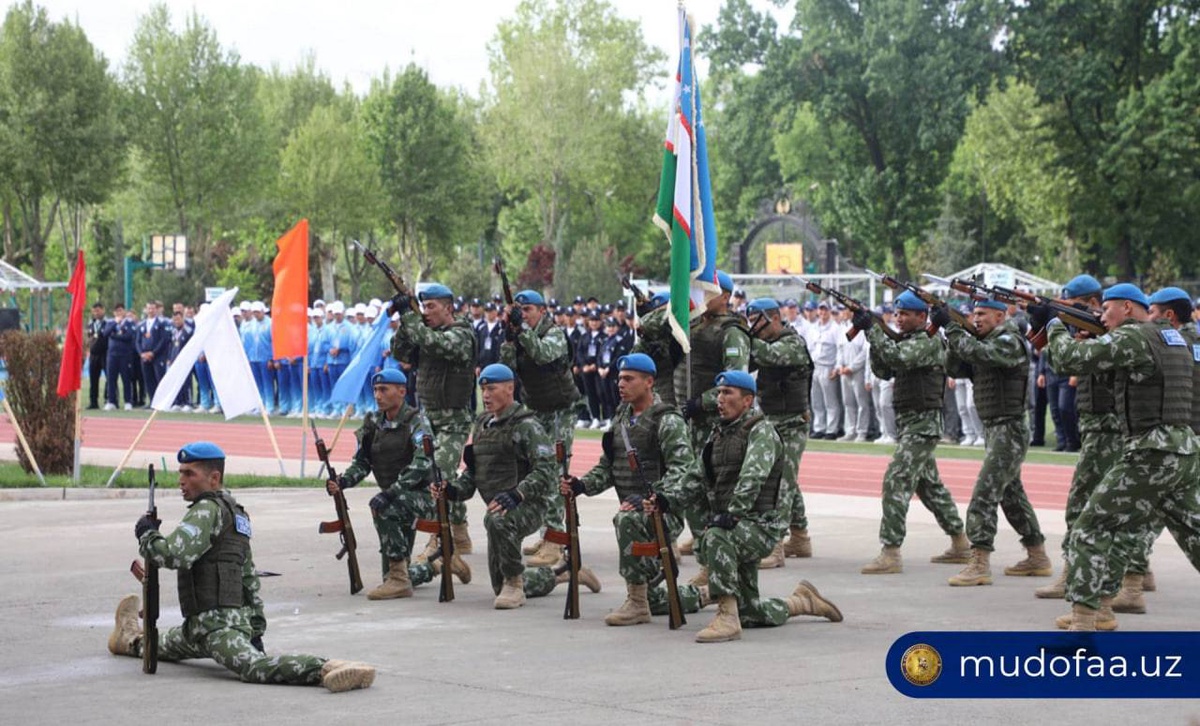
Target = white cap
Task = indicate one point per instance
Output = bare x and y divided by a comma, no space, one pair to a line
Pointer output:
395,317
337,307
258,307
318,303
244,305
360,309
372,311
376,302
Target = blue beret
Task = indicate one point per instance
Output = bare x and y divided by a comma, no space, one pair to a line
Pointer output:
791,303
1081,285
529,297
395,376
436,291
1127,291
737,379
1169,295
199,451
725,281
762,305
495,373
991,305
810,305
658,301
908,300
639,362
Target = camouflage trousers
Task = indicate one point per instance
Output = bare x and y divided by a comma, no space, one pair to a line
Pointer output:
689,598
539,581
999,486
395,525
637,527
559,426
1098,452
1141,487
700,427
230,646
913,469
731,556
451,427
504,534
793,431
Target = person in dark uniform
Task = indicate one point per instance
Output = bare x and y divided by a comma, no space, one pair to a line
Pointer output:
587,354
97,353
121,360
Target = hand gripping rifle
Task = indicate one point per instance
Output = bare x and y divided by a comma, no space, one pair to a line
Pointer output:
150,597
440,527
853,305
392,276
661,546
570,538
929,299
639,297
342,524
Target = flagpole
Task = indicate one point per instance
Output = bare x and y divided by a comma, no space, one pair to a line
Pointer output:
77,467
304,417
274,442
136,440
24,444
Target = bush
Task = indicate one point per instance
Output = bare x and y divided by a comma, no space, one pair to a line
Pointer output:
47,421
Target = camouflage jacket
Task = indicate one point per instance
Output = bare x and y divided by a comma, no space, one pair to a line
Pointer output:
735,357
545,343
533,444
455,343
914,351
675,453
1003,347
418,469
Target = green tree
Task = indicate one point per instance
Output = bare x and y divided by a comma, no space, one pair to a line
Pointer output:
60,140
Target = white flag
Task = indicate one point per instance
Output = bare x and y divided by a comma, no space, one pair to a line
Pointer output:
217,338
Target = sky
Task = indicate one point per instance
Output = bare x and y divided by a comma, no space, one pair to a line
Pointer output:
354,40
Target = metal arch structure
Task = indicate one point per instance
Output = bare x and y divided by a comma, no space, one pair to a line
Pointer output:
40,311
799,217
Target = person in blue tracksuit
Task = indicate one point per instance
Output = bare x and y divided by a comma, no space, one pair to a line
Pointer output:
341,346
121,357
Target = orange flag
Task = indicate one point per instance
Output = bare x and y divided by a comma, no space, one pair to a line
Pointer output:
70,370
289,304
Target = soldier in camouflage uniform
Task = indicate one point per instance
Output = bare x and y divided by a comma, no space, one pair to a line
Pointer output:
389,446
660,437
1158,474
445,349
739,491
917,365
784,368
218,589
999,361
655,340
1099,427
540,353
510,462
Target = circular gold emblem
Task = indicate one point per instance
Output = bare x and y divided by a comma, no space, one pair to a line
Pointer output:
921,664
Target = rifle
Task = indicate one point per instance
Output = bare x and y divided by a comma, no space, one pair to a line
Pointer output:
570,538
392,276
342,524
929,299
661,546
441,527
639,298
853,305
498,266
150,597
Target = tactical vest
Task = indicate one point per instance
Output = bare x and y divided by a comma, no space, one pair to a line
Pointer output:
723,457
919,389
1192,337
1094,394
643,436
548,387
1000,392
444,385
498,467
783,390
391,449
708,354
1164,399
215,580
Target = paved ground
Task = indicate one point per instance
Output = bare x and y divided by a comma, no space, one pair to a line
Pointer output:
64,566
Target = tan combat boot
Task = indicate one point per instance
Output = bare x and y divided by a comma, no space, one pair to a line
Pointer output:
773,560
687,547
462,539
1036,563
1056,590
700,579
547,555
977,572
432,547
726,626
799,544
532,548
587,578
1148,583
959,552
458,567
127,630
887,562
395,585
805,600
636,608
1129,599
1102,619
1083,618
340,675
512,595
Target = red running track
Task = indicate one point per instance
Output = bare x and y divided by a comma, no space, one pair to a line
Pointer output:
824,472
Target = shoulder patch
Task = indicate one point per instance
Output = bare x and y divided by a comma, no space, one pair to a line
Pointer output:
1106,338
544,450
1172,337
732,351
1005,337
242,524
1196,352
191,529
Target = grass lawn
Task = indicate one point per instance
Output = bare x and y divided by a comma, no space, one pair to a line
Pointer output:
13,476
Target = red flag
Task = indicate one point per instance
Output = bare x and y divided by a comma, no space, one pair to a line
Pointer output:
70,371
289,304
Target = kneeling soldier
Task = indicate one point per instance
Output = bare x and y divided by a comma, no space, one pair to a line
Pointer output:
218,590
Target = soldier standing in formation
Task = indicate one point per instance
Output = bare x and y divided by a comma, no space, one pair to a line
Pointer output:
218,588
655,340
916,364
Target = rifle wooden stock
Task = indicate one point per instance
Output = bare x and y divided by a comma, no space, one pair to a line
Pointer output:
498,266
341,525
150,604
445,537
1075,315
574,559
